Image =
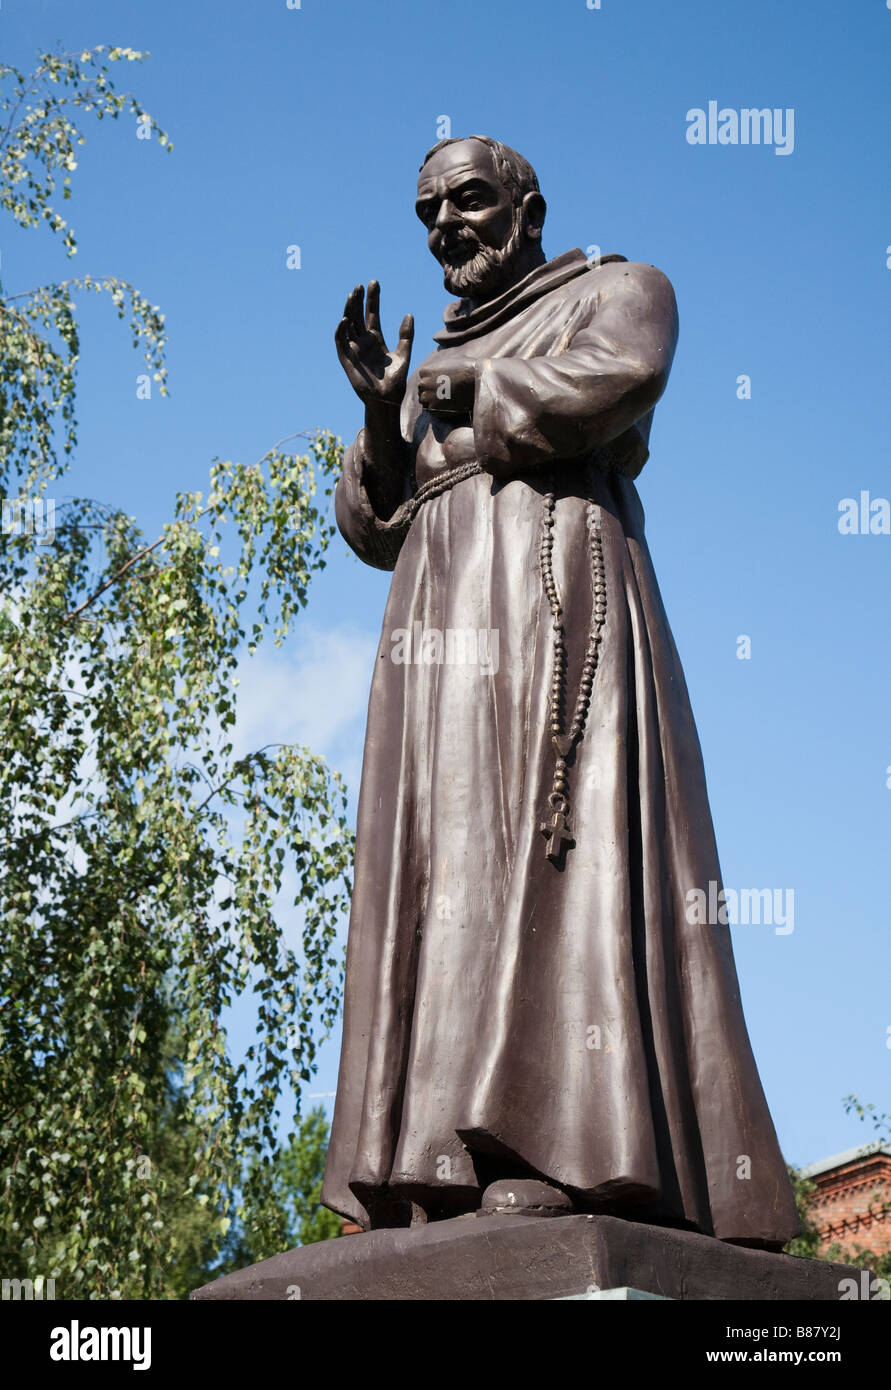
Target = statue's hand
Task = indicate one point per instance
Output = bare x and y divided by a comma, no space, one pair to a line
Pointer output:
447,389
375,374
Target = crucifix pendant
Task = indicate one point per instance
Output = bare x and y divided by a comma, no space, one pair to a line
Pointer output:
558,835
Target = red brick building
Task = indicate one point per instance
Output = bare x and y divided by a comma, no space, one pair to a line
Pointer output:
852,1203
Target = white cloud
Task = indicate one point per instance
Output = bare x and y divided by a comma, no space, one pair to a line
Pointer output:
314,691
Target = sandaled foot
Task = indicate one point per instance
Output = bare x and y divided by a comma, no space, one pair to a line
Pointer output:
524,1197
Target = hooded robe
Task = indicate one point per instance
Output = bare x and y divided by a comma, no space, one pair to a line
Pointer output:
506,1013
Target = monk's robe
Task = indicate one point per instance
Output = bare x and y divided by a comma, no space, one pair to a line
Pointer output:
506,1013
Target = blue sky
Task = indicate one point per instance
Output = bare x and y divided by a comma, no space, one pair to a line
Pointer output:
307,126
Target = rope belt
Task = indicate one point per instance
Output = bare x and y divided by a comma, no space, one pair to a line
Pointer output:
439,484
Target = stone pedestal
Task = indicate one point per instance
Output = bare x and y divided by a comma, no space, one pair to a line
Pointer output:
513,1257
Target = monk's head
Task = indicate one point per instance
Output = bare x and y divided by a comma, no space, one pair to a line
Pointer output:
483,211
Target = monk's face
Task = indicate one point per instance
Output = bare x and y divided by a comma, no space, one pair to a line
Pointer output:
474,228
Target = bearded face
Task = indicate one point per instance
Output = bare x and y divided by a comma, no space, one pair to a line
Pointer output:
482,233
471,269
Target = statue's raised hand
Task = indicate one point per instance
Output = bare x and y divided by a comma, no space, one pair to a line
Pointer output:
376,375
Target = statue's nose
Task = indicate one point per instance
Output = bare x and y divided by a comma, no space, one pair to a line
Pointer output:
447,215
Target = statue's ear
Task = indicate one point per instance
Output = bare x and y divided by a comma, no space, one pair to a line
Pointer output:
534,207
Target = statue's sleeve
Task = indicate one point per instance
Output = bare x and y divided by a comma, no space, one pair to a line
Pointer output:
532,412
374,540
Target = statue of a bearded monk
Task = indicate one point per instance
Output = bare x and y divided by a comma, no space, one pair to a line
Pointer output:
527,1002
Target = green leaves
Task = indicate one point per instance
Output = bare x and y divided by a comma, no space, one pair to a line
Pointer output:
38,365
151,874
296,1175
145,863
39,129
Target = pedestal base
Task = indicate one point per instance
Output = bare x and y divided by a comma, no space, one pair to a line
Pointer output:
507,1257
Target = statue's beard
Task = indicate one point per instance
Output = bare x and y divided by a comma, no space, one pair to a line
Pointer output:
480,269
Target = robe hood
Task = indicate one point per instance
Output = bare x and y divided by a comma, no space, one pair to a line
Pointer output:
462,321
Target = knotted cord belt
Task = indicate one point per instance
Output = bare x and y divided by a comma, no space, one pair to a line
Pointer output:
440,483
556,830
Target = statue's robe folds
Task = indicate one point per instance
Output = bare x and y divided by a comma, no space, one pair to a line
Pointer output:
504,1013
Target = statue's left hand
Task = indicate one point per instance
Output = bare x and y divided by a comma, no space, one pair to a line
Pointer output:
447,389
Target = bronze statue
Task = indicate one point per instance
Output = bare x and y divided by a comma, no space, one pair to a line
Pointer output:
529,1014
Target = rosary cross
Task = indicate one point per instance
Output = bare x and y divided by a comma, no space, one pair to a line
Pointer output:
558,835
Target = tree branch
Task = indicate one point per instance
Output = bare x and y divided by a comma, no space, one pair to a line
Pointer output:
146,550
